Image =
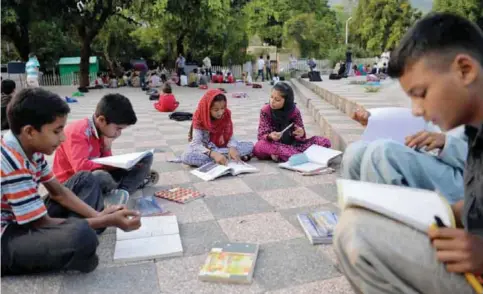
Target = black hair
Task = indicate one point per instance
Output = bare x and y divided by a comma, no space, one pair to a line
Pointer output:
167,88
8,86
195,70
445,34
24,109
261,56
202,72
218,98
268,56
285,90
117,109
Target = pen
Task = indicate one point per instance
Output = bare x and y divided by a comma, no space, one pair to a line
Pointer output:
469,276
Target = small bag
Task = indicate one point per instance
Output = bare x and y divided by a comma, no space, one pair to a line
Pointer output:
256,86
181,116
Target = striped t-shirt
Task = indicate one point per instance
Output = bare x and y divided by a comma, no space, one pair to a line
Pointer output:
21,202
31,68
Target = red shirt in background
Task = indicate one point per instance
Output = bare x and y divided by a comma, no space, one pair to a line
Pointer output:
82,144
230,79
166,103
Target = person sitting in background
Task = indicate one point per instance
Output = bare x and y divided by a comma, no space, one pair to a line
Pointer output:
203,80
229,78
275,79
113,82
356,70
155,80
166,102
193,78
8,90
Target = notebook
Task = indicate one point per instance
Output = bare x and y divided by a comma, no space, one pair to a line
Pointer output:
180,195
313,159
318,226
230,263
124,161
413,207
158,237
212,170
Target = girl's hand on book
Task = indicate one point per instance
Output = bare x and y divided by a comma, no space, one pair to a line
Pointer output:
219,158
275,136
299,132
458,249
233,154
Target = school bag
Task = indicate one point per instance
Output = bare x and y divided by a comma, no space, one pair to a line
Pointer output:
181,116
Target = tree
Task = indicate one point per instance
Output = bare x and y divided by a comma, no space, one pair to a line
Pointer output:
87,17
267,17
380,24
16,18
471,9
314,36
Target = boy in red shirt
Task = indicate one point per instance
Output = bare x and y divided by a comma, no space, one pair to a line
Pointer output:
229,78
166,102
91,138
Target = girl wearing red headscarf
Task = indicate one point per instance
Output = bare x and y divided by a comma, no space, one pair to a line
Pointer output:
211,134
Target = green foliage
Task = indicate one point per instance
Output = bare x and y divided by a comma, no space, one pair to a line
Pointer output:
471,9
379,25
315,36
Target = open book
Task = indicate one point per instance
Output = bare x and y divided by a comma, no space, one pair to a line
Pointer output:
394,123
313,159
125,161
212,170
413,207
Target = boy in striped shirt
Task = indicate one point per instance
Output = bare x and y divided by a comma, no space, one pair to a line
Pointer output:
59,233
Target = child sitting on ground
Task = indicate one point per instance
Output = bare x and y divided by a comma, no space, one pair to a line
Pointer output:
275,117
439,65
211,134
203,79
275,79
166,102
91,138
193,78
229,78
155,80
60,233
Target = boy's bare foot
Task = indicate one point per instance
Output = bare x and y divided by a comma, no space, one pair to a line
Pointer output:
361,116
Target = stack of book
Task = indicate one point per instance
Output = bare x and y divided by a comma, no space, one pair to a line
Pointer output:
318,226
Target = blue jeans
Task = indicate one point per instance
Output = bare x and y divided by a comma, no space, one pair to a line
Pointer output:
388,162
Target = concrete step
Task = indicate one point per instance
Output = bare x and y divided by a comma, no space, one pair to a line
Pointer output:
335,125
348,98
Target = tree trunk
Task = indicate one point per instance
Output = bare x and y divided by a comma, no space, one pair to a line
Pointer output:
85,53
179,44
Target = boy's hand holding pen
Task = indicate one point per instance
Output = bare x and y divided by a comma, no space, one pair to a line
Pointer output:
459,250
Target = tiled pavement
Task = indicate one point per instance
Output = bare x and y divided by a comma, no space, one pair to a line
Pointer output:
249,208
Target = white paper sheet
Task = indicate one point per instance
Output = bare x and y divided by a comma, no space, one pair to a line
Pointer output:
395,123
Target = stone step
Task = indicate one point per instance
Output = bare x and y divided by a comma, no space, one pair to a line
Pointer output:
335,125
347,98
